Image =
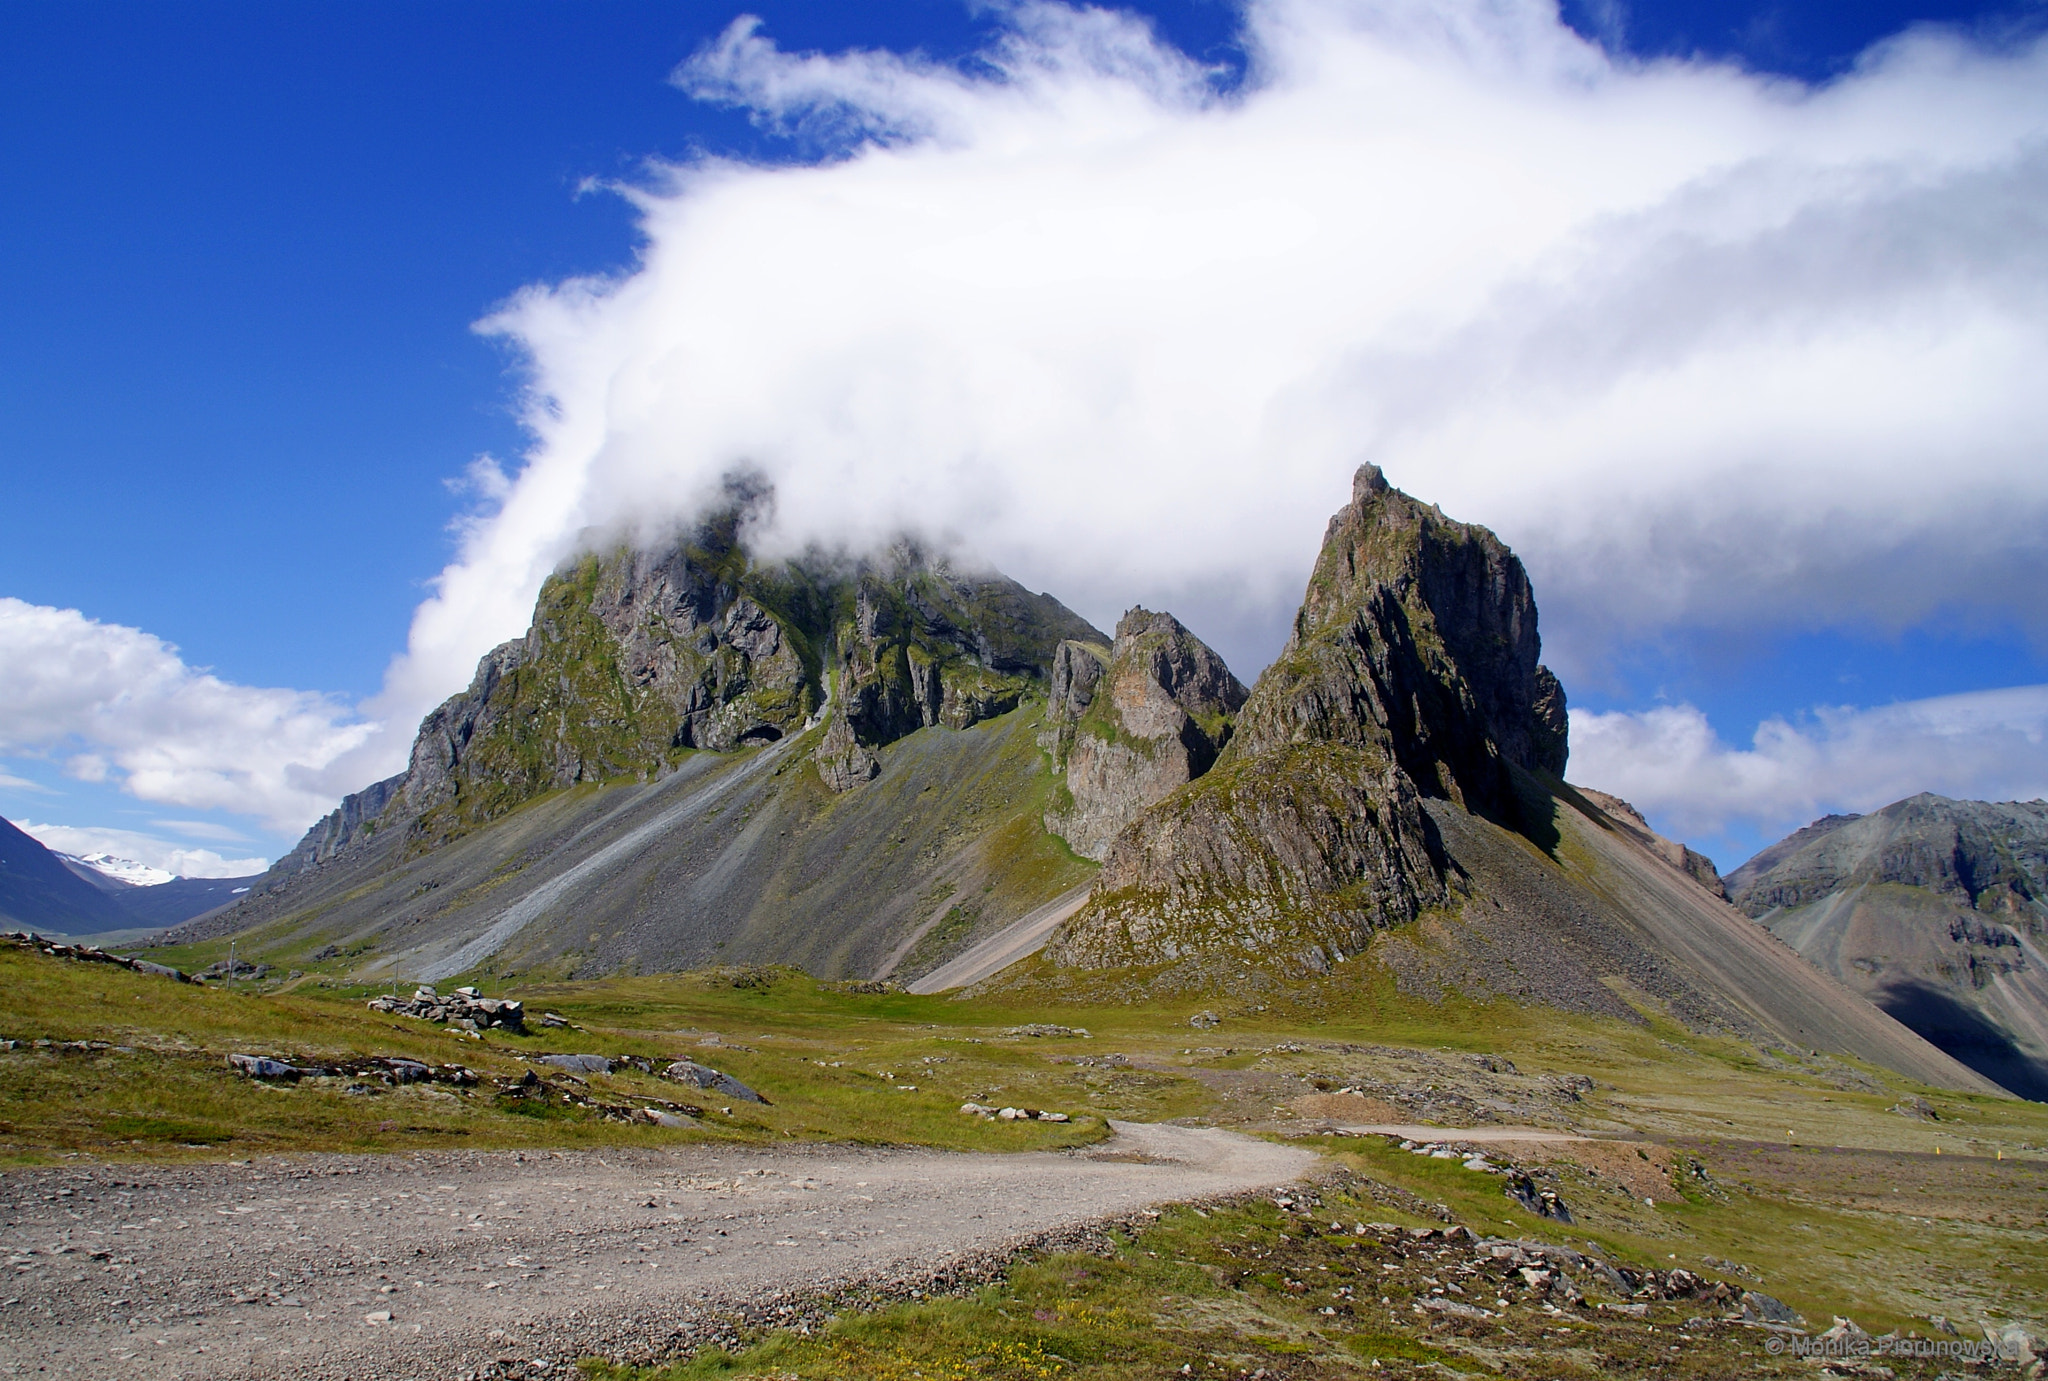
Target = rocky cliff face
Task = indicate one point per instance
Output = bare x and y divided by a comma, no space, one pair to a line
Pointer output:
1130,729
1411,672
1937,910
924,644
636,659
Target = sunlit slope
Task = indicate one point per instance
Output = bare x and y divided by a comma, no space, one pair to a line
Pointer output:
741,857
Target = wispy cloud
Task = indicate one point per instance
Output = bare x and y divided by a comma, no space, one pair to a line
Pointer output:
12,783
1670,763
115,704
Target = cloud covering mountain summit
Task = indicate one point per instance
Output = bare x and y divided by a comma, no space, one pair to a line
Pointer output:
1691,338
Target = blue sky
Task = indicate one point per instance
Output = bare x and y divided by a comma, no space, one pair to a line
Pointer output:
239,386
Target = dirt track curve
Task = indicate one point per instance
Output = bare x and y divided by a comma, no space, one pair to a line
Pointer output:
438,1265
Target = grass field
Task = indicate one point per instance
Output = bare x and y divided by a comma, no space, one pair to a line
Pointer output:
1837,1188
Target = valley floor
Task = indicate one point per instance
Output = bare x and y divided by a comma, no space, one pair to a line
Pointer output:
154,1202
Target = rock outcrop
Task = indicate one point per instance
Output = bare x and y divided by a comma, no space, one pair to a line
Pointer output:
1131,729
926,644
1411,672
1934,909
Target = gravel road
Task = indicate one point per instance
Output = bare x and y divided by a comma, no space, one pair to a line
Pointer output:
441,1265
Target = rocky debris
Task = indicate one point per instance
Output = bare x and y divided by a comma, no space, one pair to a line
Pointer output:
709,1079
1135,730
236,971
1012,1114
1042,1028
1544,1203
465,1008
90,954
1916,1107
393,1070
1205,1021
1692,863
1411,672
571,1091
552,1019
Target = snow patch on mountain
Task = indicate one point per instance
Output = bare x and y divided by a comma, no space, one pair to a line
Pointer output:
122,869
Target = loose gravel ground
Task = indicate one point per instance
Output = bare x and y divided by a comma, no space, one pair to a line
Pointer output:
444,1265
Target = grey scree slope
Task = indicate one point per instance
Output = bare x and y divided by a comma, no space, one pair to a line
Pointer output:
460,1257
541,899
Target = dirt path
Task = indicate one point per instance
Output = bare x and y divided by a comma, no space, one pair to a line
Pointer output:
437,1265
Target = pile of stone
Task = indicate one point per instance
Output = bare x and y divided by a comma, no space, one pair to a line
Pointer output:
465,1008
1013,1114
386,1069
90,954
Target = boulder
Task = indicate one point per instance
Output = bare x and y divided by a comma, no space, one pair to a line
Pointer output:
579,1064
704,1077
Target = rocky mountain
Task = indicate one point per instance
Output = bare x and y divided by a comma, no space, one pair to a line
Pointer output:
1936,910
106,870
37,892
694,755
1411,672
1391,796
636,659
1131,724
895,767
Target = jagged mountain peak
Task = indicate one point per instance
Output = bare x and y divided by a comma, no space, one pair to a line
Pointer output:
1411,672
1416,640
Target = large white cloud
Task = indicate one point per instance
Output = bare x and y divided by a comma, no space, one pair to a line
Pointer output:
117,704
1670,763
1709,348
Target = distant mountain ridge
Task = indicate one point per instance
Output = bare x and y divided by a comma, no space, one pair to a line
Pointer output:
1935,909
43,890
